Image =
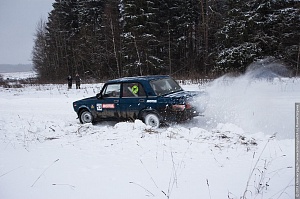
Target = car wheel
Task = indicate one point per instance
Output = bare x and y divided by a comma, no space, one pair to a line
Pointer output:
152,120
85,116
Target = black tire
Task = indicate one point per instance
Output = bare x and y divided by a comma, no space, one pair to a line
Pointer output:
152,119
85,116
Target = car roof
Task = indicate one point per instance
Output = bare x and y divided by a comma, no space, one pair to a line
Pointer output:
138,78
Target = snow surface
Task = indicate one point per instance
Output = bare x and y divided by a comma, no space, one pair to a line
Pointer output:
18,75
231,152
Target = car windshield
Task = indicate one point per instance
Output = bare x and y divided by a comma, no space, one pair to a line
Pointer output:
165,86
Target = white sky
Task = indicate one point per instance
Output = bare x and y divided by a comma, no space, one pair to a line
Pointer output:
18,21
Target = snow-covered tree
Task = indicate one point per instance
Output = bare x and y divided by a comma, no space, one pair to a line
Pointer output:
256,29
89,52
107,39
140,37
62,29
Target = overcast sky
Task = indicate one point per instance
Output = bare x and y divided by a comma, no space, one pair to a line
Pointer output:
18,21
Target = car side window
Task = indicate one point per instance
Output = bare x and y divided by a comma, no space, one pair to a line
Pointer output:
133,90
112,90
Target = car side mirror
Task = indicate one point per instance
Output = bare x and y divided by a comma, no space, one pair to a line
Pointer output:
99,96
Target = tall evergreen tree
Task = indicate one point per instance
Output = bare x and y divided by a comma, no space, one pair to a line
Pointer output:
75,39
107,39
187,35
255,29
112,39
89,52
278,25
237,50
140,38
62,29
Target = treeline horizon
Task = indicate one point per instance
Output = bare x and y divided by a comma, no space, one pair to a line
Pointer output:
104,39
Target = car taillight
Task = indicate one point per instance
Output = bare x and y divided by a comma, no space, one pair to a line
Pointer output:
178,107
188,106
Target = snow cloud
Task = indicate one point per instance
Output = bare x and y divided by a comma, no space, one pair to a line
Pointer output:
261,100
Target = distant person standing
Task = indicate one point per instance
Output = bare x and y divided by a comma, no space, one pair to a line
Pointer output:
77,81
69,82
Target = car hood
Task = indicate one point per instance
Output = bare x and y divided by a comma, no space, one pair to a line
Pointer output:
84,100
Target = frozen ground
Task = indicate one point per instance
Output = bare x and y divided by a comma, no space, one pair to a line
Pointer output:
243,147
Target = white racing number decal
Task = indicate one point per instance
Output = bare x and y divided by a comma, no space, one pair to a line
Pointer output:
99,107
151,101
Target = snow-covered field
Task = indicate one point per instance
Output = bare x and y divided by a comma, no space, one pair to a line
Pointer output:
18,75
243,147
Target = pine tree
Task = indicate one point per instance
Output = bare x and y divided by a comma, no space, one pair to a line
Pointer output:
112,39
237,49
278,25
62,32
90,51
140,41
75,40
188,37
107,39
257,29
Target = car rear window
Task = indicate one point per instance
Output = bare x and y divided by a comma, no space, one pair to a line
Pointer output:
165,86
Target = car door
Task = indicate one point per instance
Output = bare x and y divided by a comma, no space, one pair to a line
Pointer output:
107,106
132,101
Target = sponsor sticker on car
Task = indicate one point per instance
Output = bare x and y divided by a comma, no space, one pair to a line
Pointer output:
108,105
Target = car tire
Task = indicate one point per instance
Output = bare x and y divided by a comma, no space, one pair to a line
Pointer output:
152,120
85,116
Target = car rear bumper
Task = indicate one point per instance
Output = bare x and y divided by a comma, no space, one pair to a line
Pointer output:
178,116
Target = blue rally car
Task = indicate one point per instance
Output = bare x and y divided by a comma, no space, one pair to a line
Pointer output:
152,99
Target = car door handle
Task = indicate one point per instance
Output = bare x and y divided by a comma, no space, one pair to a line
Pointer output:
141,100
116,101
